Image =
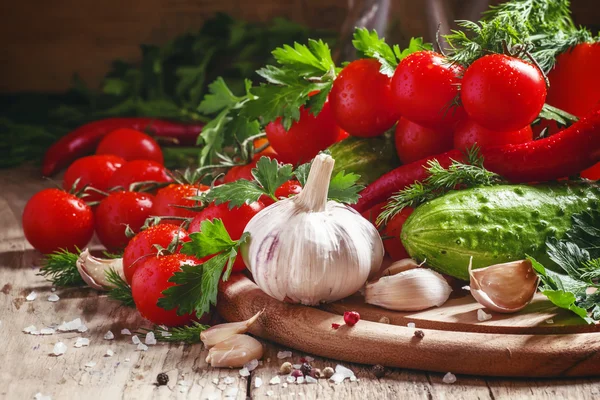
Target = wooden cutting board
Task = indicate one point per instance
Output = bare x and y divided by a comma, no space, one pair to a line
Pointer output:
539,341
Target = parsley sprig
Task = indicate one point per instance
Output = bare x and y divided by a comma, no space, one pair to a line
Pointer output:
578,260
196,285
440,181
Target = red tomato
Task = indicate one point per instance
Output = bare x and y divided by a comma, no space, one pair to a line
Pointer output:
170,197
117,211
94,171
424,86
142,245
306,137
361,99
130,145
575,81
414,141
288,189
139,171
592,173
234,220
343,135
392,244
468,132
149,281
54,220
502,93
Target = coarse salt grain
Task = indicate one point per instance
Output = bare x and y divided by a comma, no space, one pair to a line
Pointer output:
550,321
411,325
251,365
135,339
29,329
90,364
449,378
275,381
80,342
70,326
215,381
40,396
59,349
109,353
296,366
284,354
244,372
53,297
31,296
127,360
309,359
258,382
125,331
353,378
109,335
231,392
290,379
150,339
270,393
142,347
300,380
47,331
82,328
284,385
53,289
228,380
483,316
467,287
310,379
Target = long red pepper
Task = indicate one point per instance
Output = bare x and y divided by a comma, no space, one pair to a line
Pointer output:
84,139
561,155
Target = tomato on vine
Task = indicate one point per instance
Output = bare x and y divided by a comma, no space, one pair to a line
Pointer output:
94,171
468,133
172,200
139,171
54,220
502,93
414,141
361,99
130,144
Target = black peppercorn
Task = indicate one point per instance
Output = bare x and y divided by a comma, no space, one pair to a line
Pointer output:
378,370
162,379
420,334
306,368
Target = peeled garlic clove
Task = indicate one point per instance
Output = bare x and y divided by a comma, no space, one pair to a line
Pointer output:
400,266
412,290
221,332
504,288
93,269
235,351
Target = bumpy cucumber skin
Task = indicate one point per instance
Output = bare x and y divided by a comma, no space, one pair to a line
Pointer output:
368,157
494,224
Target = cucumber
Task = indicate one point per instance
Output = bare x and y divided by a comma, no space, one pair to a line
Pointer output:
368,157
494,224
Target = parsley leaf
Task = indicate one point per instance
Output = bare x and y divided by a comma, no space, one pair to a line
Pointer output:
237,193
308,60
301,173
197,285
218,98
343,188
585,232
270,174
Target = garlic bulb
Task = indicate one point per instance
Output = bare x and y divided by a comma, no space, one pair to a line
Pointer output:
504,288
93,269
308,250
411,290
218,333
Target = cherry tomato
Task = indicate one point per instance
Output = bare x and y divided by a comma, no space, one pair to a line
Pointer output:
343,135
139,171
143,244
152,278
234,220
288,189
362,101
575,81
592,173
424,86
130,145
305,138
94,171
468,132
414,141
54,220
117,211
170,199
391,232
502,93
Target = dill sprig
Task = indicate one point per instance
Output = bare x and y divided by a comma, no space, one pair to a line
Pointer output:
440,181
540,28
121,290
189,334
60,268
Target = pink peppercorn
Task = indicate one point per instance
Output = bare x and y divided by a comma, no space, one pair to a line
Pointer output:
335,326
351,318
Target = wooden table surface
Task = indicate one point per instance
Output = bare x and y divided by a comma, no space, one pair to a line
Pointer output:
27,366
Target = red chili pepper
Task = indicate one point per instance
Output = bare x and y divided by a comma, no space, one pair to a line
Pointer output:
84,139
561,155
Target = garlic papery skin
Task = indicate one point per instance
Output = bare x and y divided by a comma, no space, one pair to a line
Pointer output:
400,266
221,332
93,269
235,351
412,290
504,288
308,250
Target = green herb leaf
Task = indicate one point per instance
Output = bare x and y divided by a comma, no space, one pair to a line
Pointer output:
189,334
556,114
218,98
343,188
585,232
310,60
212,238
60,268
301,173
237,193
270,174
122,291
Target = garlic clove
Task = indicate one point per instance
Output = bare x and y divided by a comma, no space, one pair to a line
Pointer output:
505,288
93,269
412,290
400,266
235,351
221,332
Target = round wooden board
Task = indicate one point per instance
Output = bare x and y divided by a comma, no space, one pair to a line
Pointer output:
518,345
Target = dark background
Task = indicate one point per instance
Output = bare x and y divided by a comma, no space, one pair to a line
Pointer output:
44,42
